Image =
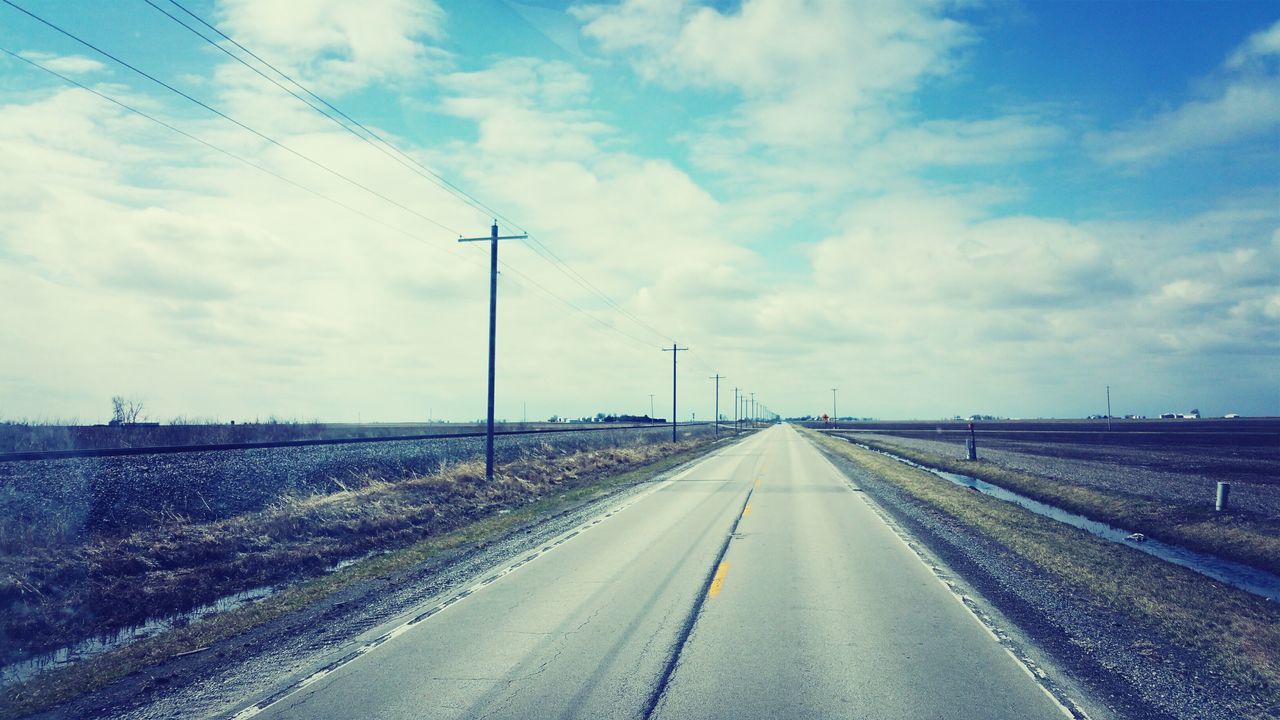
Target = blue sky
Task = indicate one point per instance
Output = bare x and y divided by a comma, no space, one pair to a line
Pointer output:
941,208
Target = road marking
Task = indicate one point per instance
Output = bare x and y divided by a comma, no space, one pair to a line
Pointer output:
718,580
757,482
746,510
1074,712
406,625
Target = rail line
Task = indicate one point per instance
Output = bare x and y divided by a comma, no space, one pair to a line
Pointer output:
171,449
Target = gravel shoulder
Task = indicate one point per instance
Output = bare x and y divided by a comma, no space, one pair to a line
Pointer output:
1126,666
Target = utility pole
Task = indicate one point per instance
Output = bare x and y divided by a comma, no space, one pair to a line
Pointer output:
736,429
753,410
835,417
493,330
717,379
674,350
1108,408
650,406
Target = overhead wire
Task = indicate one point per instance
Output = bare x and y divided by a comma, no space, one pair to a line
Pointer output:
384,146
225,116
232,155
443,182
527,280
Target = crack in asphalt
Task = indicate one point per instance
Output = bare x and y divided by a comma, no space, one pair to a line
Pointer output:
692,618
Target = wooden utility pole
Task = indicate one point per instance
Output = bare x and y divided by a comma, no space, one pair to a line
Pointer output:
717,377
493,238
674,350
835,417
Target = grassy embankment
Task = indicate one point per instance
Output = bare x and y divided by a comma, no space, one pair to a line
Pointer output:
81,592
1237,634
1233,535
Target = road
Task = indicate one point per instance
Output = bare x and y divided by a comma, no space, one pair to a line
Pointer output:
757,583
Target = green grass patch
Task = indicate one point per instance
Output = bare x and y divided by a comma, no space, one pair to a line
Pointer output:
1231,535
60,685
1236,633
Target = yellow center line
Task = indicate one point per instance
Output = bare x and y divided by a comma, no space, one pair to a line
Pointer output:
746,510
757,482
718,580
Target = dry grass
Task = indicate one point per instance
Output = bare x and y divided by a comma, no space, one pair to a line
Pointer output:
1232,535
60,685
53,597
1237,634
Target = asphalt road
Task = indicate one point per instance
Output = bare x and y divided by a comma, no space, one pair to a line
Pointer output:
757,583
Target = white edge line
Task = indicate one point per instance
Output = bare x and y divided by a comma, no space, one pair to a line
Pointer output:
490,577
934,570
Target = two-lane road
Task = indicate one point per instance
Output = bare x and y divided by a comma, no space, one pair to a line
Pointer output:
755,584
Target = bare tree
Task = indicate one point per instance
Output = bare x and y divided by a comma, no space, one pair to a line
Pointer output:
125,411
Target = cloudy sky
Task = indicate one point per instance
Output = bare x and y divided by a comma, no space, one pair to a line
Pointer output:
937,207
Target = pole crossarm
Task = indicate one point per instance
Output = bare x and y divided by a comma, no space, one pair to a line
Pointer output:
500,237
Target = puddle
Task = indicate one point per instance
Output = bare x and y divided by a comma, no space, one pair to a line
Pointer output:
26,669
1244,577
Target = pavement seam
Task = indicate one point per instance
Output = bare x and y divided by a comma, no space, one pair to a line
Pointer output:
660,689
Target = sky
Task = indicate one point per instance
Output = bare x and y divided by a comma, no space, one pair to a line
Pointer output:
938,208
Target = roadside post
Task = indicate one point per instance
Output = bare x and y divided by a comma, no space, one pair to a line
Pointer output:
972,444
1224,492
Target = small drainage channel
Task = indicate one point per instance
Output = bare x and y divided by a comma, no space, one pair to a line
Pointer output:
24,670
1239,575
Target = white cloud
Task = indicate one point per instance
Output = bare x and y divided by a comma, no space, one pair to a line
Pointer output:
335,45
1245,105
803,69
65,64
950,143
526,108
1262,44
1244,109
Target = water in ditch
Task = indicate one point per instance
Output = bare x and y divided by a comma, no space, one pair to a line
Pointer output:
1244,577
26,669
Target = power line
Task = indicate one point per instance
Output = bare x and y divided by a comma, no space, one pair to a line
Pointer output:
538,246
225,116
381,146
530,281
229,154
442,181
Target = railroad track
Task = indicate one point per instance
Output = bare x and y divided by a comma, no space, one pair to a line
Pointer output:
170,449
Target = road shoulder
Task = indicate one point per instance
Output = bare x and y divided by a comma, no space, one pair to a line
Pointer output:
1090,649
